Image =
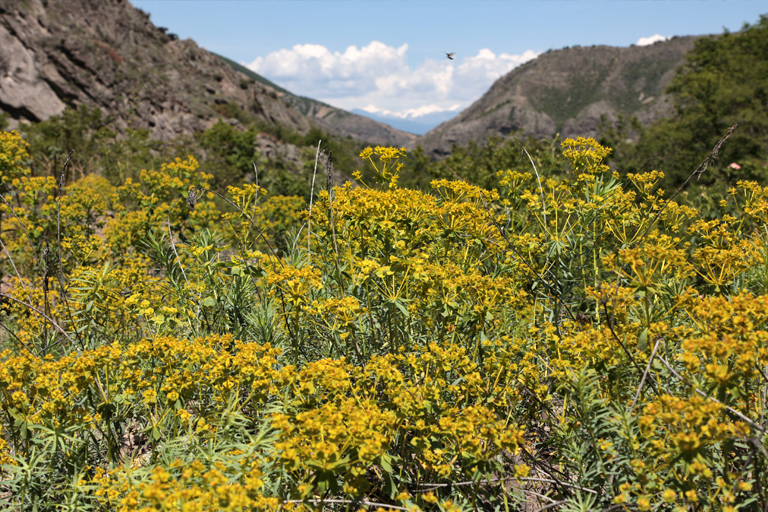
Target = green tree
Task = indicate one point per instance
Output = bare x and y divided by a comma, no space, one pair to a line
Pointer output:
96,146
479,164
724,81
230,153
83,130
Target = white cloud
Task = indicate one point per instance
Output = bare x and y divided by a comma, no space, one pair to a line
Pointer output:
378,76
645,41
479,72
308,69
411,113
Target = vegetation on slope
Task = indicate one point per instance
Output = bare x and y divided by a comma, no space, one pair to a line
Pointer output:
724,81
565,92
226,151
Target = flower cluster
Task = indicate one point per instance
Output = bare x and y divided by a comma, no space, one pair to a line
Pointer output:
569,338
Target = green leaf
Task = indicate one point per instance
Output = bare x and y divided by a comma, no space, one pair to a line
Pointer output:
255,271
386,463
402,308
642,341
326,480
390,488
106,410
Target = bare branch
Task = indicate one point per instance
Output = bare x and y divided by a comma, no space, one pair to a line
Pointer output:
10,258
645,374
311,197
551,505
699,170
173,244
33,308
351,502
428,487
700,392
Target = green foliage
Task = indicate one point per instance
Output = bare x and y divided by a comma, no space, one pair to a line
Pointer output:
480,164
570,339
724,81
52,141
225,151
94,145
232,110
232,153
563,103
344,151
646,73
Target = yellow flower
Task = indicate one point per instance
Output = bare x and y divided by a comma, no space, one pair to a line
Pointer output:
429,497
745,486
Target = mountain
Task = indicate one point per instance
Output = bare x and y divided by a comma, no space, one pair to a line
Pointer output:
567,91
106,53
419,125
335,120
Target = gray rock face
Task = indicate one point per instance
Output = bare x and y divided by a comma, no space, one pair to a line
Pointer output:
108,54
22,91
566,92
273,149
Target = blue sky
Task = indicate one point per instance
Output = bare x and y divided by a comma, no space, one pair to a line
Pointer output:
388,57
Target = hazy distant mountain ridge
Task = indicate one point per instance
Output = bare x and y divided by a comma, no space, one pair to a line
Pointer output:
567,91
418,125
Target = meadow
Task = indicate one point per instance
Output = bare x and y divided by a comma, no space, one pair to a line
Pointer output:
573,340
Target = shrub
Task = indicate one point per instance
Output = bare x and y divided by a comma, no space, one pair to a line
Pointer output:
574,341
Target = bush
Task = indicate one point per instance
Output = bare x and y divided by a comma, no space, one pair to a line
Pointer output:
572,342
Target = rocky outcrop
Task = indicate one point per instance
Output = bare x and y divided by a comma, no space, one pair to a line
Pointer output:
567,92
23,93
272,149
108,54
345,124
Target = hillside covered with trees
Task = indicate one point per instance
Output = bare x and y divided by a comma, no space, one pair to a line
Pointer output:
724,81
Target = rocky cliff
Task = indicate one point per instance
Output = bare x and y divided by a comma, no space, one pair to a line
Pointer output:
107,53
567,91
332,119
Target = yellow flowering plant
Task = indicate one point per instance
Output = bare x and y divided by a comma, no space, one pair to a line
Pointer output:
567,339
